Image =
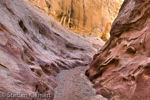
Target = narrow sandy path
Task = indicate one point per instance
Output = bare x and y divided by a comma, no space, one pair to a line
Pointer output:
74,85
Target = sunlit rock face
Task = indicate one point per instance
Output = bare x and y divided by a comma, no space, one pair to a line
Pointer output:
34,48
87,17
121,69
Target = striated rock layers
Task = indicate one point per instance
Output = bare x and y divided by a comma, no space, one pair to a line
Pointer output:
92,17
33,49
121,69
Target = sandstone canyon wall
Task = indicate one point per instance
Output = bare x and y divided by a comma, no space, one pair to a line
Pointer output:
88,17
121,69
34,48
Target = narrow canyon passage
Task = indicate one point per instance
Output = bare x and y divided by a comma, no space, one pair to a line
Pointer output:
74,85
40,59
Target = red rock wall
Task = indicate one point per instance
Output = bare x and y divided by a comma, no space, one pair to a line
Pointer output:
121,69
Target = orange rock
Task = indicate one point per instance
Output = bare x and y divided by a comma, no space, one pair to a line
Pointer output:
93,17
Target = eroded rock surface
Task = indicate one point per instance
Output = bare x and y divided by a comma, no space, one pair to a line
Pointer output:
34,48
88,17
74,85
121,69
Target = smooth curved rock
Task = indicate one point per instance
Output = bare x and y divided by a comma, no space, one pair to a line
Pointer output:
121,69
33,49
87,17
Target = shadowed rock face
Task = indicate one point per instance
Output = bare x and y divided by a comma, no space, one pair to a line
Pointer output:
121,69
34,48
88,17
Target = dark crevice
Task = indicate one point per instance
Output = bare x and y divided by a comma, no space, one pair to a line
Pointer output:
84,18
28,45
72,11
131,50
36,71
46,69
29,62
55,67
32,58
35,39
32,69
3,66
9,9
70,46
103,68
48,5
61,65
22,26
57,34
36,88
